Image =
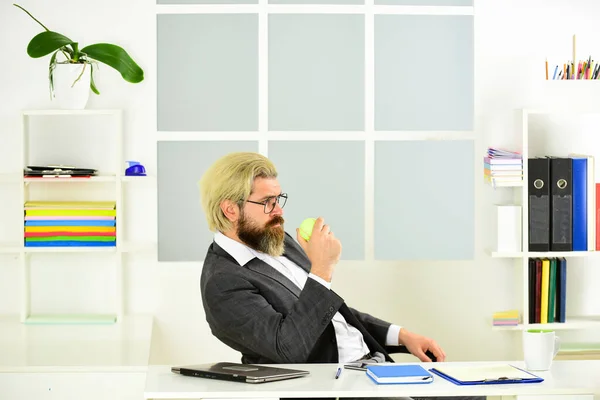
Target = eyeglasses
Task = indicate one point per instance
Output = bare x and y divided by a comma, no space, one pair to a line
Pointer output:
270,202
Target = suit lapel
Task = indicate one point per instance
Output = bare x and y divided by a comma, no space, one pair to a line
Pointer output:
261,267
294,252
372,344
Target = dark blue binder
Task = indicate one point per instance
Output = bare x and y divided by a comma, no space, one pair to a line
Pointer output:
500,380
580,208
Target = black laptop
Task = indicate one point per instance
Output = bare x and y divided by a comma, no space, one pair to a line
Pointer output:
248,373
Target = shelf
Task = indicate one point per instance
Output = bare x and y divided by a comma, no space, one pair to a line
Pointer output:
540,254
71,112
125,344
70,249
127,247
18,178
147,178
92,179
76,319
571,324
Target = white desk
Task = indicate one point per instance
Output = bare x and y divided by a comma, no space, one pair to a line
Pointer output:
565,378
74,361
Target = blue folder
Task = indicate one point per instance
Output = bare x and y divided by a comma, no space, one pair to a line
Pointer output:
491,381
580,208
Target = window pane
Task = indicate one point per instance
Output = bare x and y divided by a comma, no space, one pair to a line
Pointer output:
316,72
207,72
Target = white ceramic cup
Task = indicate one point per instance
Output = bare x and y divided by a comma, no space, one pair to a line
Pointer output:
540,346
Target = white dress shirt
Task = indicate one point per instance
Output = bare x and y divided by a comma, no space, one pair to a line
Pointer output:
350,342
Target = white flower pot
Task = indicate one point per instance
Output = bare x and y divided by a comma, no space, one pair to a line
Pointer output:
69,92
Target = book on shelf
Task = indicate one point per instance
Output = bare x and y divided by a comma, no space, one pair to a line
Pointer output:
70,223
547,290
502,167
506,318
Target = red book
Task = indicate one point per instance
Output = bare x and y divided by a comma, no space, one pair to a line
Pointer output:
538,290
597,216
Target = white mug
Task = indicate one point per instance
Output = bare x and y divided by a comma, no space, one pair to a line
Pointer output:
540,346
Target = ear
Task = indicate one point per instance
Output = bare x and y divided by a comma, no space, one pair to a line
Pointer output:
230,210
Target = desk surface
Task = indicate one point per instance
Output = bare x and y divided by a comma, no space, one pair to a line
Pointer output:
60,348
565,377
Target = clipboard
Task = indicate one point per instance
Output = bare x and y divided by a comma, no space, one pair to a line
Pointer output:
486,375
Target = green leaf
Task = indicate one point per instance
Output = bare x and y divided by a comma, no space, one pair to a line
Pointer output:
92,84
45,43
117,58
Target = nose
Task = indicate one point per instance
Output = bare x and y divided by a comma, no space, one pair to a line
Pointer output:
277,210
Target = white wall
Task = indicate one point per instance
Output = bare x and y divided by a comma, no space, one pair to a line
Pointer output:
450,301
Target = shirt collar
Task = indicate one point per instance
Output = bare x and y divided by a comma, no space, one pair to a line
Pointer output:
239,251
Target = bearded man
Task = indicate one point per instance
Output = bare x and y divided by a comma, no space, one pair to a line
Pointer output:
267,295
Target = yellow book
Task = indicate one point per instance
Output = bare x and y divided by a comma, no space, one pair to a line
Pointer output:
71,204
70,213
506,314
545,290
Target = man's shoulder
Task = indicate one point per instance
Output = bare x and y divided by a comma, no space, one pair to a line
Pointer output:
215,254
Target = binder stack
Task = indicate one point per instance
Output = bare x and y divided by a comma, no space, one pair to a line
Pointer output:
65,223
503,168
562,203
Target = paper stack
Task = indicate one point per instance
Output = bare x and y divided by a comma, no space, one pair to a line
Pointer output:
68,223
503,168
506,318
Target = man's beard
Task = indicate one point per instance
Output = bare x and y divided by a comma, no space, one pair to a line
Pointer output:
267,239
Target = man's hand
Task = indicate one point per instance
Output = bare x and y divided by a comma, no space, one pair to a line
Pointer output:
418,345
323,250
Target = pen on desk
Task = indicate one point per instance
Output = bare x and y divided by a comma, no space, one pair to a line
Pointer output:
337,374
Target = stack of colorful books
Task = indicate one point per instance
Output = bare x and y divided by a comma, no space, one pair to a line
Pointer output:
506,318
70,223
503,168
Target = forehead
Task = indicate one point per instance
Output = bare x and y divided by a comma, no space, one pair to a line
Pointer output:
266,187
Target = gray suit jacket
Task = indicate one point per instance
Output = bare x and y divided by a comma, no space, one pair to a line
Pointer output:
258,311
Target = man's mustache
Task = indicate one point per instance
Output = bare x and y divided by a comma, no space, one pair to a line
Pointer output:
276,220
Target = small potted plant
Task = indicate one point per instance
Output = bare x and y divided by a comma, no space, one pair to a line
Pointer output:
72,78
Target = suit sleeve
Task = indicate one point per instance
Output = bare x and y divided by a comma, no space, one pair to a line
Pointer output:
378,328
245,317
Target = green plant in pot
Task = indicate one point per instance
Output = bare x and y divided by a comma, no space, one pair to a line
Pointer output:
72,78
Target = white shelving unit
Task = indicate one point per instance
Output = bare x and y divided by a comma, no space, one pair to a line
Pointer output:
521,258
122,247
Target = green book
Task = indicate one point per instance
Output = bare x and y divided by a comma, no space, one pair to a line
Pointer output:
552,291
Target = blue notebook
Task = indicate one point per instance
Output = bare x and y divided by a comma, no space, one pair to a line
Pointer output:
485,374
392,373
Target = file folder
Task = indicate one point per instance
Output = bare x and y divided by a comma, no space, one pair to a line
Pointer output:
580,206
561,204
561,290
485,375
539,204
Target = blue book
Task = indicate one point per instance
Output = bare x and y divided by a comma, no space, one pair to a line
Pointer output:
580,207
392,373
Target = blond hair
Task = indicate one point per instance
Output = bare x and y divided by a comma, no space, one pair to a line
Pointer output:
231,178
